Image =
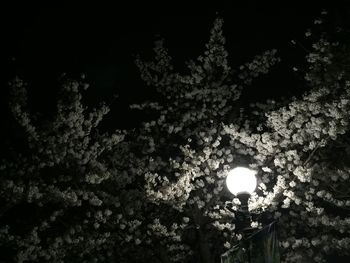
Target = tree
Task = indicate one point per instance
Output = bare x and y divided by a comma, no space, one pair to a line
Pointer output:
157,193
57,200
291,144
181,173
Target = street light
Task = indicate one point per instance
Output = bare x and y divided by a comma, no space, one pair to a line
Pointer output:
241,180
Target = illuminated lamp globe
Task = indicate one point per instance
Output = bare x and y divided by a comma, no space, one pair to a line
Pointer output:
241,180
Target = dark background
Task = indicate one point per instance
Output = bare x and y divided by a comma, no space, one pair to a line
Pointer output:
42,42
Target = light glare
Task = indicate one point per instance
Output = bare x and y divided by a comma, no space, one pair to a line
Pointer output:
241,180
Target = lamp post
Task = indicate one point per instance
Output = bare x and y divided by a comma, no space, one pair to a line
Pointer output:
241,182
263,244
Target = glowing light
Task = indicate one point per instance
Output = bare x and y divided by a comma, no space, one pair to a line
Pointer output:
241,180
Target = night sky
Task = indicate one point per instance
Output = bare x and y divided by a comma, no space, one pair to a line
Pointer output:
42,42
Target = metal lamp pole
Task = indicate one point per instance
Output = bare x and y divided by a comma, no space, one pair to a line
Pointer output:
242,183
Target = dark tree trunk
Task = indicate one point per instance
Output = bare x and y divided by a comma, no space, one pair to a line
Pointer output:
205,248
162,254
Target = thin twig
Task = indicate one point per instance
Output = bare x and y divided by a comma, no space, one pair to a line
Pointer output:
311,154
